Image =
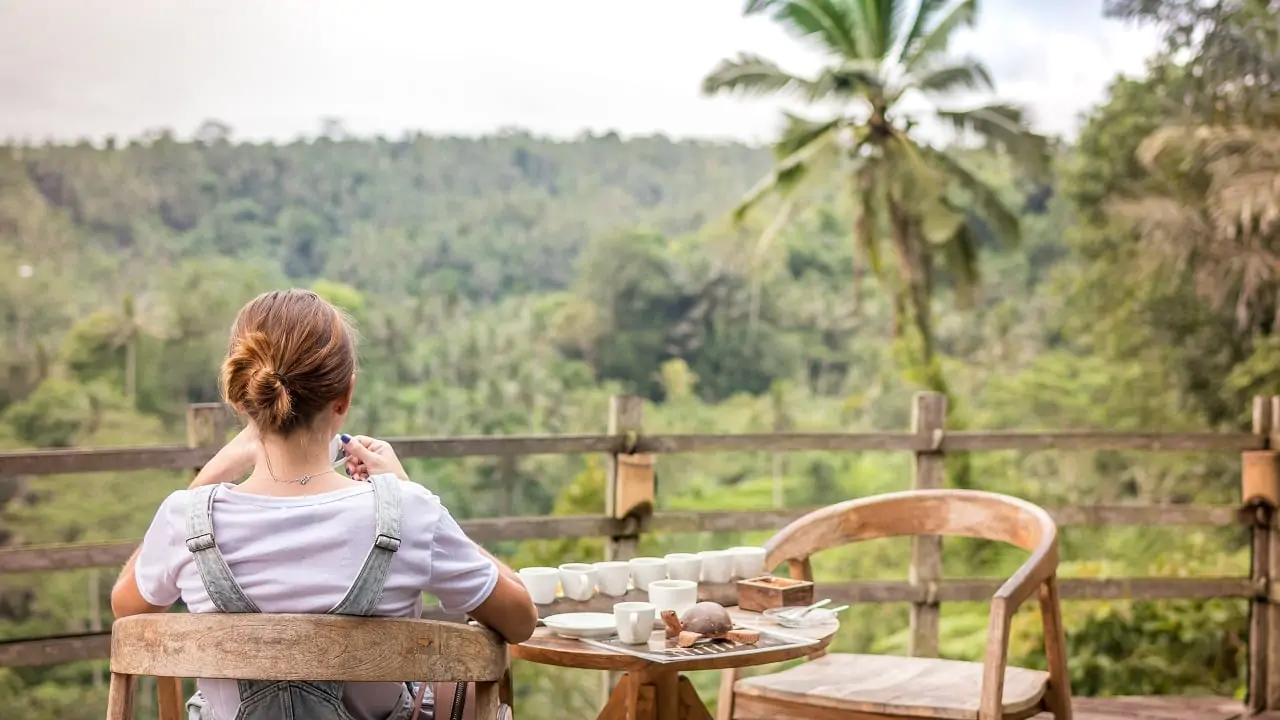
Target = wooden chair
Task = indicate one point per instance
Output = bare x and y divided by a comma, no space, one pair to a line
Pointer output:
253,646
860,687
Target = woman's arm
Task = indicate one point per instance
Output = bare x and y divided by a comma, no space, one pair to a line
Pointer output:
228,464
508,610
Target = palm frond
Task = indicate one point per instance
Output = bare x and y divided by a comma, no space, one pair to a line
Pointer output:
833,24
847,79
985,203
798,132
753,75
758,6
1003,125
791,171
925,12
938,37
960,257
967,74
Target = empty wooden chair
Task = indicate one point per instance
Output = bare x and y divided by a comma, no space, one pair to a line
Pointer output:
859,687
255,646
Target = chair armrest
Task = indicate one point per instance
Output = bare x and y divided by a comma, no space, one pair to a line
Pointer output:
1038,569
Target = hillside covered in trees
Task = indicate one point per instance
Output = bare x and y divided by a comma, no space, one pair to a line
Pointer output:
510,284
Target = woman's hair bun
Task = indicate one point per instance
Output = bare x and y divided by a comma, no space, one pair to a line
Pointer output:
291,355
253,384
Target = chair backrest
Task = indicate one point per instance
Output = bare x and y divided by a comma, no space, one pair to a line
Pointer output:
962,513
256,646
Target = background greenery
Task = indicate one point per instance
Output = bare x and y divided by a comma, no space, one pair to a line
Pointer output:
510,284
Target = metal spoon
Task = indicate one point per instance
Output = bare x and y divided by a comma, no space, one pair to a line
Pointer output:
796,615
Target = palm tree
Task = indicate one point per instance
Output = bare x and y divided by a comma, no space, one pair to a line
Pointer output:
1212,216
926,204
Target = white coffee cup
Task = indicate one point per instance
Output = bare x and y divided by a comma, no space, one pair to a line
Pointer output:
678,595
541,582
578,580
717,566
748,562
612,577
645,570
635,621
684,566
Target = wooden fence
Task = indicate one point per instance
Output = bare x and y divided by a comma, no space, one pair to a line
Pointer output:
627,516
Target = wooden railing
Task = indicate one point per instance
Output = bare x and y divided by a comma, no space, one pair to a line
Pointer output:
627,516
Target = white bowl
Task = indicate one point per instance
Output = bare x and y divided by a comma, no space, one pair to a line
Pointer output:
816,616
582,625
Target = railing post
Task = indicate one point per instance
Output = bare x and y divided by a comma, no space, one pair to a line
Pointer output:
629,492
928,419
206,425
1258,495
1259,492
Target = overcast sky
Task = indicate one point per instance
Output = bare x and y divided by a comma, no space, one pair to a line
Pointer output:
272,68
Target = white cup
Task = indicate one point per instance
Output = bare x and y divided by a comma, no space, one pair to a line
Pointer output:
748,562
717,566
678,595
578,580
541,582
645,570
612,577
684,566
635,621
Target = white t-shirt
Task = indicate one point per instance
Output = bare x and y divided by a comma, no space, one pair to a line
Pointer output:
301,554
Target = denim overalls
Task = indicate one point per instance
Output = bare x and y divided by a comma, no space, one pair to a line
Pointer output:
293,699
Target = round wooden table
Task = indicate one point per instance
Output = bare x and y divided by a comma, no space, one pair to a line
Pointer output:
658,691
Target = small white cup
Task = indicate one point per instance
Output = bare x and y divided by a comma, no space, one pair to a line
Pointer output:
612,577
645,570
678,595
684,566
748,562
578,580
541,582
635,621
717,566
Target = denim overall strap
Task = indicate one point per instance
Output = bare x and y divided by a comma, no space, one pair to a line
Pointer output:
366,591
225,593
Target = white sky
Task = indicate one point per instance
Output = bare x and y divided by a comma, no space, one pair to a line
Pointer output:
272,68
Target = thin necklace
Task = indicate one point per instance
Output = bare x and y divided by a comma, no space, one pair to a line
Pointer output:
301,480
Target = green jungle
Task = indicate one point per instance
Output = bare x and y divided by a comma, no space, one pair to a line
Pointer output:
1128,279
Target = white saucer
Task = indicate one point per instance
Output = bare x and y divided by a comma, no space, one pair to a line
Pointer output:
582,625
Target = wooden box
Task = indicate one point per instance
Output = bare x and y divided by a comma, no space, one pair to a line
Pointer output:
761,593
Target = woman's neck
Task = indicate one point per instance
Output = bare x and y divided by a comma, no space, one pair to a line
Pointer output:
282,463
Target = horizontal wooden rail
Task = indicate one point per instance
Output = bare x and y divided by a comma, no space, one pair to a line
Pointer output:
43,558
97,646
90,460
960,441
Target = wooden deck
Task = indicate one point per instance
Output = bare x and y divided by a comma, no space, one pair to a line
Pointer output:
1164,708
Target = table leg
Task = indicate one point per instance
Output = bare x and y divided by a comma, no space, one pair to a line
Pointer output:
691,707
666,690
616,707
640,697
654,694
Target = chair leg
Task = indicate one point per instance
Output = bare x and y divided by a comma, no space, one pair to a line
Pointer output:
506,690
120,696
487,700
169,695
724,703
1058,697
